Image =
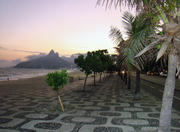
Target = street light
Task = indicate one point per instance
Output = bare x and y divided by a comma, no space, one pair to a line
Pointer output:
123,72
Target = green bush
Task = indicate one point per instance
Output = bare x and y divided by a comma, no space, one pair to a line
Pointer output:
57,80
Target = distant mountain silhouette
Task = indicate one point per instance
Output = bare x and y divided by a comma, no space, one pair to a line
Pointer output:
50,61
5,63
71,58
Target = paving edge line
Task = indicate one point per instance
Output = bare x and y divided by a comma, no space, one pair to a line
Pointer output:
157,83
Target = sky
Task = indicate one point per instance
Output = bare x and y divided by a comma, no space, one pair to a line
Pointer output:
31,27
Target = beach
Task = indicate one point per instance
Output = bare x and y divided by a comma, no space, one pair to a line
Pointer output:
20,73
37,84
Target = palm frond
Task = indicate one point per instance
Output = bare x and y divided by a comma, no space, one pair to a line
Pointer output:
118,3
138,29
128,20
163,49
150,46
116,35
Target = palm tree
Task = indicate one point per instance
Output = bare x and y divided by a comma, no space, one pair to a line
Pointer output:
170,46
137,29
116,35
169,12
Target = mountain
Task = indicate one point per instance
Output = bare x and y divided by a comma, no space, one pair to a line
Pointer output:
30,57
50,61
71,58
5,63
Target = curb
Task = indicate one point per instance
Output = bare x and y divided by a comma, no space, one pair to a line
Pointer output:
162,85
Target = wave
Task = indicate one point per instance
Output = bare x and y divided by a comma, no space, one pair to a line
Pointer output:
20,73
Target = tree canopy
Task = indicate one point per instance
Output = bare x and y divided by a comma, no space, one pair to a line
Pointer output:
57,79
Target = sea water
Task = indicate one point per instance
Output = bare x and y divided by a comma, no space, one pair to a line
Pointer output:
19,73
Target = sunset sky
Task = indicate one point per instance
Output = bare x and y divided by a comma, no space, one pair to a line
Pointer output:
67,26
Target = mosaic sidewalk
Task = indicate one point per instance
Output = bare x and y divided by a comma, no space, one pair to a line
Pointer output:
104,108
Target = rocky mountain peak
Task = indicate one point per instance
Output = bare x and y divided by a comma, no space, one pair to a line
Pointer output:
51,61
52,53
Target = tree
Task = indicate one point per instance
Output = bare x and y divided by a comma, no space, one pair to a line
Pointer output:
169,12
84,64
103,63
110,62
95,63
137,29
57,80
123,62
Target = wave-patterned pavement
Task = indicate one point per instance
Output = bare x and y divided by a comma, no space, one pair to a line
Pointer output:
107,107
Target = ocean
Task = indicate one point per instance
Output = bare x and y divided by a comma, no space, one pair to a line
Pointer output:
19,73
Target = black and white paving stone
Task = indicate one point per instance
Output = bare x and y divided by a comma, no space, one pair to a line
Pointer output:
105,108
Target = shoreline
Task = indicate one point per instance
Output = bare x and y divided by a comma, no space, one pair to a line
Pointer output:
39,85
76,74
29,76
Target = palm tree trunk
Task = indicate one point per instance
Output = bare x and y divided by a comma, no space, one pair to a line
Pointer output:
103,75
165,116
85,83
137,88
119,73
125,77
94,78
100,77
121,76
129,80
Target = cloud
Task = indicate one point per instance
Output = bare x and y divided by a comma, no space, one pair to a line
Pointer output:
30,57
2,48
5,63
25,51
16,61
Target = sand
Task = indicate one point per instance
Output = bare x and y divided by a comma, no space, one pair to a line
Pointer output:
38,85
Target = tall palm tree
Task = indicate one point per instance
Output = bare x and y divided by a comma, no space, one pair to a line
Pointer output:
169,12
137,29
122,64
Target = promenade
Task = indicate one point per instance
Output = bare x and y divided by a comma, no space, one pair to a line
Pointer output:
108,107
159,80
